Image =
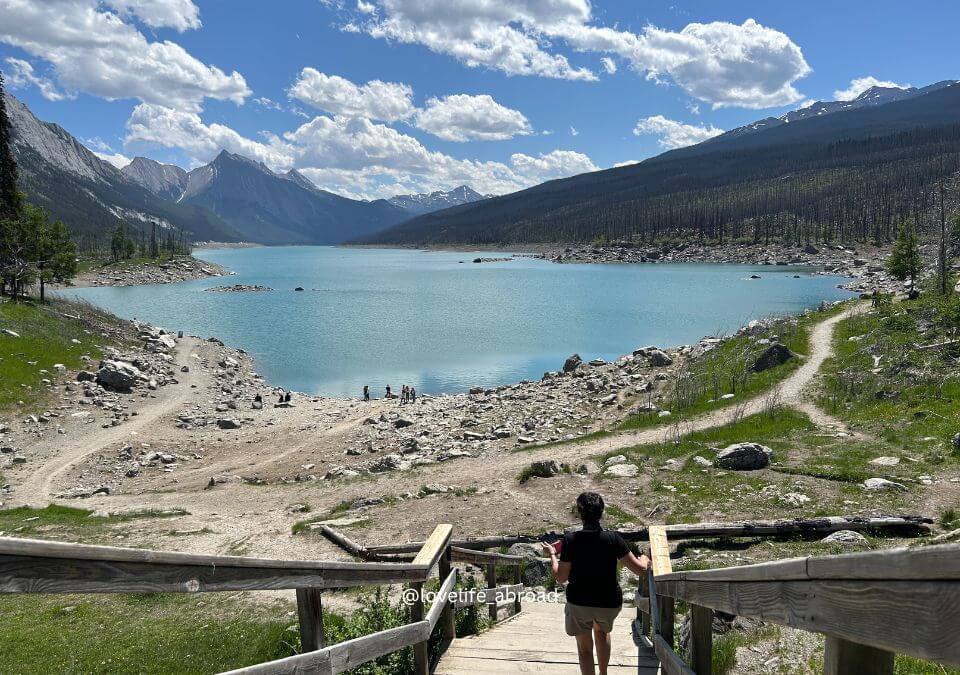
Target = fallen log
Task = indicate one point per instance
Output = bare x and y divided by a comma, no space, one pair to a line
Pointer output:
358,551
909,526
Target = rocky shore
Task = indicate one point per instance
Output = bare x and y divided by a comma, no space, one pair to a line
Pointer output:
179,268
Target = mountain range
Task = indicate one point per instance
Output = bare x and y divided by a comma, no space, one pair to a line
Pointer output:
833,170
232,198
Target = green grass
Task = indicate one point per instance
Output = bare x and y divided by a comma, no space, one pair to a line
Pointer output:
162,633
56,521
46,338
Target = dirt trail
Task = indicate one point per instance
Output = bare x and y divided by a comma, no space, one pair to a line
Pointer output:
40,484
790,393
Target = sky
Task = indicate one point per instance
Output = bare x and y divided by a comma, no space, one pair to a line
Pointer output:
371,98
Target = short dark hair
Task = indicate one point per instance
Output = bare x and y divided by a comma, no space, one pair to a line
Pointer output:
590,506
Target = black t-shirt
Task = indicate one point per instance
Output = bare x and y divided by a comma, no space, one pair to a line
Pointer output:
593,554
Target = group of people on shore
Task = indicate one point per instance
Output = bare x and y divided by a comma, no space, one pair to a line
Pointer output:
407,394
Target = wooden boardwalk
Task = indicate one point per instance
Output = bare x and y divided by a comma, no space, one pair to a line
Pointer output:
534,642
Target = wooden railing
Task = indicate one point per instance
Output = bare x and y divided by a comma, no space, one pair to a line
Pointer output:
34,566
869,606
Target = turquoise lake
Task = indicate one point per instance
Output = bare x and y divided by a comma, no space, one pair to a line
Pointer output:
378,317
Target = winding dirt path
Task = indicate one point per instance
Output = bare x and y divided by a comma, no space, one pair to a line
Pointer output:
39,485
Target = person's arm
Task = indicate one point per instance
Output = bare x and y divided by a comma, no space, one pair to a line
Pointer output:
636,565
560,569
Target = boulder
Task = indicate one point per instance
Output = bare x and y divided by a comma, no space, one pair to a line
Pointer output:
845,538
535,572
744,457
391,462
402,422
227,423
772,356
956,441
572,363
658,358
118,375
86,376
878,484
622,471
546,468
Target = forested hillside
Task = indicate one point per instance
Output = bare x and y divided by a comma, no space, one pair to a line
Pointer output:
848,176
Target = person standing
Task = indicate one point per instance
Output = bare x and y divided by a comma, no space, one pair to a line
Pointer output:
413,395
366,392
588,561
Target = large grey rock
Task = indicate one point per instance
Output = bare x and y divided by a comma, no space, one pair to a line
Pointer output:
774,355
226,423
118,375
744,457
845,538
622,471
572,363
658,358
879,484
535,571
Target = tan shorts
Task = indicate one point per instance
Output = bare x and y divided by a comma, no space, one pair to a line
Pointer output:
579,620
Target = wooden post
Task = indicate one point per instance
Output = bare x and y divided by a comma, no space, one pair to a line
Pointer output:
448,619
492,583
665,605
421,655
701,639
644,616
310,613
841,656
517,579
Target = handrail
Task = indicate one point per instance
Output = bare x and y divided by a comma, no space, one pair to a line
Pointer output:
869,605
467,555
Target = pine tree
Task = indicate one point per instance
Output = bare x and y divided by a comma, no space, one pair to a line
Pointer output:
154,246
10,200
904,261
118,242
58,254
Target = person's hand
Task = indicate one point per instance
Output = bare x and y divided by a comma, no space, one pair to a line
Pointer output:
548,549
644,561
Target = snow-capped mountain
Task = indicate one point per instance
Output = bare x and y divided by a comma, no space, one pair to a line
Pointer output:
434,201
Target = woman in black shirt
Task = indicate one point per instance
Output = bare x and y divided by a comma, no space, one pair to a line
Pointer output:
588,560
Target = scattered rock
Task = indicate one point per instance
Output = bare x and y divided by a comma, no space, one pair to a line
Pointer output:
883,484
744,457
774,355
622,470
118,375
847,538
572,363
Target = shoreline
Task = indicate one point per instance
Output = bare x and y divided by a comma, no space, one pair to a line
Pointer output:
174,270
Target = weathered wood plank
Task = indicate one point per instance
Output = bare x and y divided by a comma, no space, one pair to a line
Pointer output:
442,601
701,639
918,618
447,618
421,656
659,550
24,574
310,615
670,662
459,554
841,657
344,655
434,545
12,546
491,577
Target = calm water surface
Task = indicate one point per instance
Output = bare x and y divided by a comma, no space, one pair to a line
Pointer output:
397,317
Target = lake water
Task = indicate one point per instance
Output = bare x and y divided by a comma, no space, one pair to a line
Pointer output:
378,317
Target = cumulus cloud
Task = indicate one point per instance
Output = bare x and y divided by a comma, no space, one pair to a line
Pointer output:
861,84
376,100
674,134
747,65
180,15
22,75
93,49
153,125
467,118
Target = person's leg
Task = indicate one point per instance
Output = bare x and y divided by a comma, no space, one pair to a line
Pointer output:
601,639
585,654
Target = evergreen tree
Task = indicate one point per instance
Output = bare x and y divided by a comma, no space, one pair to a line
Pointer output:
904,261
58,255
118,242
154,246
10,199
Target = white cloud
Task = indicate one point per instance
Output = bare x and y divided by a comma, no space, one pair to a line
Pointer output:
115,158
725,64
180,15
861,84
349,155
573,131
22,75
467,118
157,126
92,49
609,65
386,101
628,162
675,134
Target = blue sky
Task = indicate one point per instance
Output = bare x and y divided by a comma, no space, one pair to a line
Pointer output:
375,97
